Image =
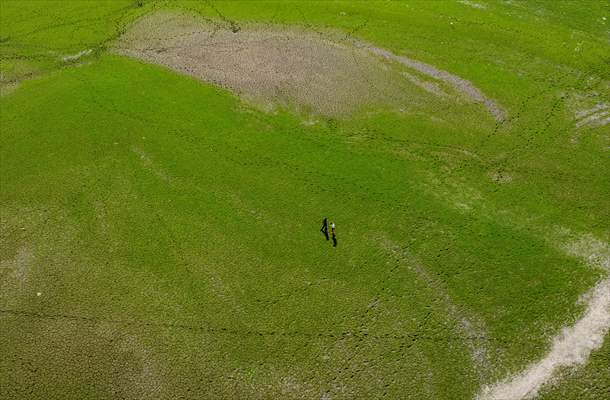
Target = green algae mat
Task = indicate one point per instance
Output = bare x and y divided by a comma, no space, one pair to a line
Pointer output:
165,167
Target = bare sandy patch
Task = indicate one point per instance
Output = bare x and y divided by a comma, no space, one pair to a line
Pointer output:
292,387
77,56
268,65
594,251
596,119
590,109
598,115
584,113
278,66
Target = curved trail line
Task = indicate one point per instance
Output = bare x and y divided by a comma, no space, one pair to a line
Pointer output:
274,65
461,85
570,348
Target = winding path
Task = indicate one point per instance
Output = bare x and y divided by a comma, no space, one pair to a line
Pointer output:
570,348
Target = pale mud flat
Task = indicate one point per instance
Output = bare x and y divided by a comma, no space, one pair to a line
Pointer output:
598,115
590,111
77,56
268,66
274,65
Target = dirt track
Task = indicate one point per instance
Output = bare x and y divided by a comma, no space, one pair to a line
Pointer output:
459,84
575,343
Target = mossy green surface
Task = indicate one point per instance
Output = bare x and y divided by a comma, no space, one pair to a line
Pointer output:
172,230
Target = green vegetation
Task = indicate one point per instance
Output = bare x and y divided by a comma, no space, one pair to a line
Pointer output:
171,228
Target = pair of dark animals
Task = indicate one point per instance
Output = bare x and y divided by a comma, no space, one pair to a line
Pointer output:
324,231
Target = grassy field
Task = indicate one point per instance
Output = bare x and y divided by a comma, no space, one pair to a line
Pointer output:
159,234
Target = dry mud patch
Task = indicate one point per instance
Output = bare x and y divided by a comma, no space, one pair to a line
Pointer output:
277,66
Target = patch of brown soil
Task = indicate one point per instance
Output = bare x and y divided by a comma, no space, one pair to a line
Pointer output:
268,65
275,66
